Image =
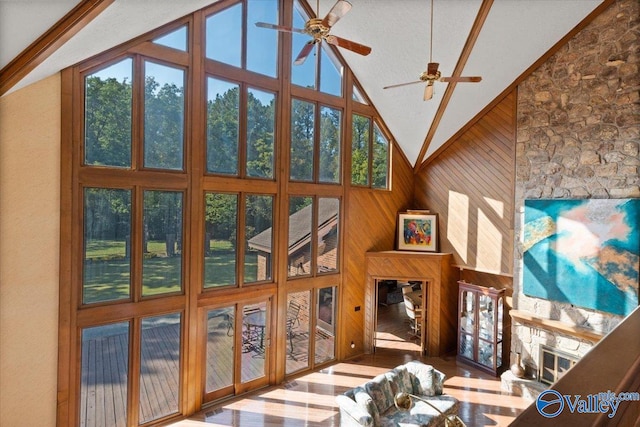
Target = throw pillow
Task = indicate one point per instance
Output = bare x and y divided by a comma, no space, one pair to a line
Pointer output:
426,380
380,391
403,380
364,400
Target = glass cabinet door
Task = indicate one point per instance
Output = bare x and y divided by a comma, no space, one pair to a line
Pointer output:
481,329
467,324
486,319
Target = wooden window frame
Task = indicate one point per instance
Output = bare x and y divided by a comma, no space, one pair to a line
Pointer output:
194,182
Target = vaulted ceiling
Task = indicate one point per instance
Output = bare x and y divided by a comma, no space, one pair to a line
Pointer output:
496,39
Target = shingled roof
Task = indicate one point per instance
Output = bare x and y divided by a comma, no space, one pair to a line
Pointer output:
299,225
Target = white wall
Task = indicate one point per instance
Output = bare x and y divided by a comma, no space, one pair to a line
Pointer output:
29,253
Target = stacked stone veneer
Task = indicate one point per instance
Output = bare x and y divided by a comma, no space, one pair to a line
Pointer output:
578,137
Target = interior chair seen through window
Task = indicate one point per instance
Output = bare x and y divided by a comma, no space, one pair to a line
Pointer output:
413,307
293,319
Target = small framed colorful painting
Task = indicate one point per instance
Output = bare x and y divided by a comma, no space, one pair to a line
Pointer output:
417,232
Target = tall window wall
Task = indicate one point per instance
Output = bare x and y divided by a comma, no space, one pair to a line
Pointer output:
205,205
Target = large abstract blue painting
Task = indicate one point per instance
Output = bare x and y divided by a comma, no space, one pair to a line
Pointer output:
583,252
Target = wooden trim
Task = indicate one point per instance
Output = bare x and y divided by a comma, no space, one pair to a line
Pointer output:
556,47
61,32
556,326
485,7
482,270
66,225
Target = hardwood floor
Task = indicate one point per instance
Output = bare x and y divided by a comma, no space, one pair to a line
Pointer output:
309,400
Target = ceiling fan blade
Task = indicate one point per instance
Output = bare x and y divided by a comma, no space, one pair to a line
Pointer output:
402,84
428,92
337,11
304,52
348,44
279,27
473,79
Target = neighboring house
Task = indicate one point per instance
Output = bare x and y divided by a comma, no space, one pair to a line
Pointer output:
299,248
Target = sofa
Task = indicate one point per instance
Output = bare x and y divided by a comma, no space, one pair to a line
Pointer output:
372,404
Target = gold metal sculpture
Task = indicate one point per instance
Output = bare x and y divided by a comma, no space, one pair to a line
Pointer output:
404,402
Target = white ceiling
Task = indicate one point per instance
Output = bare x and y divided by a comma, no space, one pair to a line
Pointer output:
516,33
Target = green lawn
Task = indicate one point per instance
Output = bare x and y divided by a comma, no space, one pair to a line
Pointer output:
107,271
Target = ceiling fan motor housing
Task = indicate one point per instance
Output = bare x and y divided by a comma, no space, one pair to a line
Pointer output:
432,72
316,29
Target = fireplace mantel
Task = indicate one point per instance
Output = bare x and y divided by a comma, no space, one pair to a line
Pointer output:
556,326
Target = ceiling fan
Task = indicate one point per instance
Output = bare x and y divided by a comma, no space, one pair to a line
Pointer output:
432,74
319,29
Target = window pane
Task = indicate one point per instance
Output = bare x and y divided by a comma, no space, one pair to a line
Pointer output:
254,339
108,116
163,116
330,73
176,39
224,36
260,133
107,245
223,112
220,333
330,158
297,327
302,140
162,242
103,375
380,173
325,325
258,259
159,367
357,95
262,44
220,239
360,150
302,75
328,221
299,250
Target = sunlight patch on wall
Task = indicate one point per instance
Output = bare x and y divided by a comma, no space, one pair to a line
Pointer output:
496,205
489,244
458,223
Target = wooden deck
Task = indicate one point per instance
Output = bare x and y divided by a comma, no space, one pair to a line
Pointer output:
105,369
308,400
104,377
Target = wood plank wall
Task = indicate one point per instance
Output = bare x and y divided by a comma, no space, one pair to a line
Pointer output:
370,225
470,185
475,171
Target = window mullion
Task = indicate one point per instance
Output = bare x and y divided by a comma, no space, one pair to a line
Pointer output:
240,239
137,114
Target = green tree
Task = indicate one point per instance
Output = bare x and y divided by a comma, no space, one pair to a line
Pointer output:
222,132
260,135
107,214
163,125
360,150
107,122
380,159
221,212
259,215
330,159
302,140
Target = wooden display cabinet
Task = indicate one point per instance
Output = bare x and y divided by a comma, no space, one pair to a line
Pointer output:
481,316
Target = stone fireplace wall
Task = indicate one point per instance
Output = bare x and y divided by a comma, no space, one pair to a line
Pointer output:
578,137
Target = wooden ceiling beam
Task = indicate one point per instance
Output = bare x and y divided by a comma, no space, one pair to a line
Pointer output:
63,30
483,12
